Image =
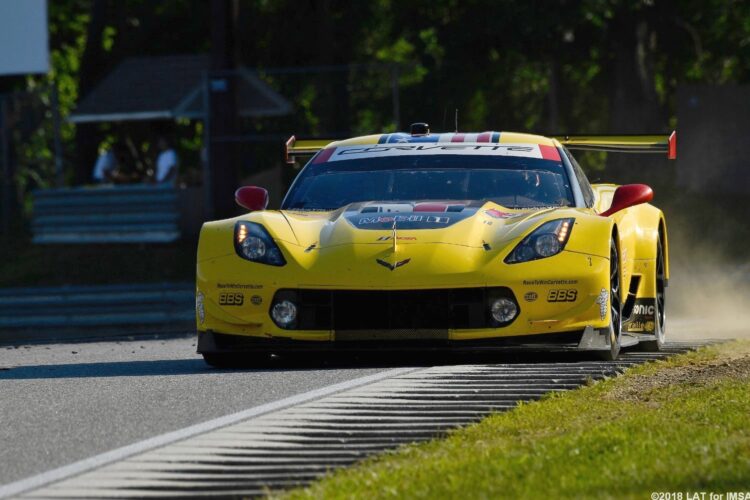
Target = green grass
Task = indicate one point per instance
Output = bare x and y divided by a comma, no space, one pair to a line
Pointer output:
620,438
24,264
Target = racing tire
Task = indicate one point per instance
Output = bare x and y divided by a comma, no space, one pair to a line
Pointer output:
659,310
614,330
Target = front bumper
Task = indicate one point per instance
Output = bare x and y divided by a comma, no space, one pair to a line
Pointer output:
555,295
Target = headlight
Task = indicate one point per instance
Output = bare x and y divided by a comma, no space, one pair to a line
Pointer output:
545,241
284,313
252,242
503,310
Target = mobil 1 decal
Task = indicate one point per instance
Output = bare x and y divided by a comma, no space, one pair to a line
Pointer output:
407,220
643,317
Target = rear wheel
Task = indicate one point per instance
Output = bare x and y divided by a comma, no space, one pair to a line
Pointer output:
659,311
615,307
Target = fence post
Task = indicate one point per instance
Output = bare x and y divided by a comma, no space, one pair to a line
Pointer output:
55,104
208,200
6,192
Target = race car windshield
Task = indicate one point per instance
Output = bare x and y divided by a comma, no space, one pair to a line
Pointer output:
513,182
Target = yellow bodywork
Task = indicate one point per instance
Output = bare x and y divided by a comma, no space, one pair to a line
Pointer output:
453,257
324,251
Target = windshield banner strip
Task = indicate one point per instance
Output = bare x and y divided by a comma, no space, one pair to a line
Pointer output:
465,148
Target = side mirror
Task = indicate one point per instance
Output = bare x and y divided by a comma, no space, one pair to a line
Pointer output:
251,197
627,196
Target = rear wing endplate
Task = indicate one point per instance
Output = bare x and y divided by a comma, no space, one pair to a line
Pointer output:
306,147
623,143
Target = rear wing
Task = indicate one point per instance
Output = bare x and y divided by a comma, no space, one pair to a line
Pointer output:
612,143
306,147
623,143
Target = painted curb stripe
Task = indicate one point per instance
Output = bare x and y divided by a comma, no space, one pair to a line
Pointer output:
117,454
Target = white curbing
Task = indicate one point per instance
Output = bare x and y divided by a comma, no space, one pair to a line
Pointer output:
87,464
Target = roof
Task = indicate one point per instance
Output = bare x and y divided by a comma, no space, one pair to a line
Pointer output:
449,137
169,87
452,143
507,143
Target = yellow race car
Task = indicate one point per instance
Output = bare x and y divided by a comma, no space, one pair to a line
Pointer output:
438,240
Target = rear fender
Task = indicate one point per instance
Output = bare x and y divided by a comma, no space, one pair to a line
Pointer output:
648,223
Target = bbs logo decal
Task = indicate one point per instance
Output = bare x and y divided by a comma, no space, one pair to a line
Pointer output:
565,295
231,299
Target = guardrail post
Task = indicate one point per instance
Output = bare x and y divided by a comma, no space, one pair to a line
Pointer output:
55,105
5,180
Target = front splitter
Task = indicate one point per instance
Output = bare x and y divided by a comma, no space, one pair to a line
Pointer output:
210,342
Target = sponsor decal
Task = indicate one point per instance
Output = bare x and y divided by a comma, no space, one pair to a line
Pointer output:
642,317
409,149
239,286
393,266
635,326
497,214
644,309
231,299
640,327
564,295
603,301
549,282
256,300
200,310
530,296
404,218
407,220
399,238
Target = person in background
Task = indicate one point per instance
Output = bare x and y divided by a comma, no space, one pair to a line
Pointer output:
167,163
105,166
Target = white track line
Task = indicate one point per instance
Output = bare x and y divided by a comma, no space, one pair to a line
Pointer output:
117,454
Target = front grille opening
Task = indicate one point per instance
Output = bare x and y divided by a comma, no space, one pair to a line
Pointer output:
440,309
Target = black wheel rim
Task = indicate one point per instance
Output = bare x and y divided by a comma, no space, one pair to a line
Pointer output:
614,293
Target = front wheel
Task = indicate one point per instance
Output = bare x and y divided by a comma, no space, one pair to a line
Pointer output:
614,329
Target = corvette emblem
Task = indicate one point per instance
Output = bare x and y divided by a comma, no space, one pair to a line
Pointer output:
393,266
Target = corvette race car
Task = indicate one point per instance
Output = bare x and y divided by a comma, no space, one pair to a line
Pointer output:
438,240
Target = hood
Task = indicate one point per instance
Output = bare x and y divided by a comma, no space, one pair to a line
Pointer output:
469,224
431,244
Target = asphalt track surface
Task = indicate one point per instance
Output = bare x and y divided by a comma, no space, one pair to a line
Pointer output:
121,416
60,403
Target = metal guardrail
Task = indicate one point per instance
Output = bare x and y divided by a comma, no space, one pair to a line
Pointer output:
103,214
106,307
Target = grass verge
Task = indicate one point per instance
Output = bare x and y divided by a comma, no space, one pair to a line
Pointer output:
679,425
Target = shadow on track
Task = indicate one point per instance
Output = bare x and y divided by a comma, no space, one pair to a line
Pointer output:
107,369
297,362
